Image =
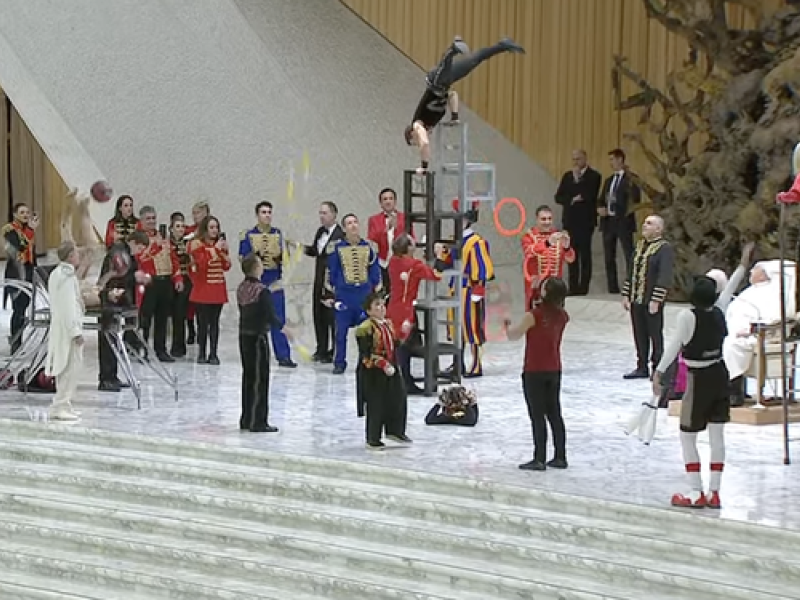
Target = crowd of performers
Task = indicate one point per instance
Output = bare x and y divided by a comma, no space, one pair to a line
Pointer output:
176,273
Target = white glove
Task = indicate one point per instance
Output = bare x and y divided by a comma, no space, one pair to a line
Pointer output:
475,298
389,370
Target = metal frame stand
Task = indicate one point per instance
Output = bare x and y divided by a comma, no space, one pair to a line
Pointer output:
435,189
784,367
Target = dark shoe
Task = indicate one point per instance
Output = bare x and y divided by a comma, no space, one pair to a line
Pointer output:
512,46
402,439
202,360
375,445
637,374
164,357
264,429
108,386
191,340
338,370
178,353
558,463
534,465
472,375
213,360
288,363
121,384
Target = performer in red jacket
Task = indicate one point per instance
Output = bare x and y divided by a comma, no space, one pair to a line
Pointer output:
123,223
210,255
545,251
383,229
405,274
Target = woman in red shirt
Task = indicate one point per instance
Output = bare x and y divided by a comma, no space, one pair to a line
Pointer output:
210,259
405,275
543,328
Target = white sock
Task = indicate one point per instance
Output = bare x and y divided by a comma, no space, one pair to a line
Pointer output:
716,439
691,460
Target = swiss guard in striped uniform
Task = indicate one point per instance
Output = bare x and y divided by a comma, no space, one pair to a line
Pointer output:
478,270
266,242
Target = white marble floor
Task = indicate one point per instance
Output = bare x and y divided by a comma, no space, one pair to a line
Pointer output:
315,411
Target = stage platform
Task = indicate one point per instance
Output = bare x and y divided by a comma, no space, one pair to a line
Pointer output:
315,411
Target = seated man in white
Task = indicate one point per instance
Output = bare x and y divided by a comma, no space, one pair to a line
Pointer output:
759,303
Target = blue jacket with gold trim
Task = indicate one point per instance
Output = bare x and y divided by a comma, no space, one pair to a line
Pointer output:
267,244
353,271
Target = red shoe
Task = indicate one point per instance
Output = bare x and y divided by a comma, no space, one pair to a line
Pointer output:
714,501
685,502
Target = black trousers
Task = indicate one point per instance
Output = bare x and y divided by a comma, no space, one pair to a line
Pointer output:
180,306
106,357
580,271
648,333
255,354
323,324
386,404
156,311
208,328
616,231
449,71
543,396
19,309
387,285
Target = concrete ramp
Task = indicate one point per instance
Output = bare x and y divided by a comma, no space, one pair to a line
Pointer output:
179,100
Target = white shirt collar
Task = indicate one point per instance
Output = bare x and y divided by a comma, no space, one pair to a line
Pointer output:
468,232
621,173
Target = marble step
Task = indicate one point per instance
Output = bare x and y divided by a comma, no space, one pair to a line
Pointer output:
555,561
421,565
20,586
616,536
672,520
405,578
125,579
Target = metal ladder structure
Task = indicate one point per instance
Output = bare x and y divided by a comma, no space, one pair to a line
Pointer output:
427,200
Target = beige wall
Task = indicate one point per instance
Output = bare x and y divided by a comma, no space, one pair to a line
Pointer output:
33,178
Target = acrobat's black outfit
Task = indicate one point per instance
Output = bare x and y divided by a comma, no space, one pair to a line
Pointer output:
256,317
433,105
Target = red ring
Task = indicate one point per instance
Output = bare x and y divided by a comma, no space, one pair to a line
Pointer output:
522,217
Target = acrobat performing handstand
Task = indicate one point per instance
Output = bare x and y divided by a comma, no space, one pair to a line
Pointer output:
438,96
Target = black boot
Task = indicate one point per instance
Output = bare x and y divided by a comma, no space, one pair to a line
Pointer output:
192,332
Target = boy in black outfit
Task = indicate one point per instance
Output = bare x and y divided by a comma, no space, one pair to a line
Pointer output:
180,303
380,390
256,317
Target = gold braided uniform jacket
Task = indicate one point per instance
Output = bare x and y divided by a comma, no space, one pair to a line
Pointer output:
181,248
651,273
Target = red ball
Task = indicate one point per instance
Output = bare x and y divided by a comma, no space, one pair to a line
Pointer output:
101,191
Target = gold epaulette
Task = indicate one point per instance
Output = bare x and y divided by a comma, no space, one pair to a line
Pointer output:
7,227
364,328
243,235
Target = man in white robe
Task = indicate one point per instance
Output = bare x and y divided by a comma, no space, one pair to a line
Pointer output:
65,344
759,303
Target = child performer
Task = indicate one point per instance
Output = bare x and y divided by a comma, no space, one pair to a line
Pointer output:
456,406
256,317
180,303
543,328
380,391
706,402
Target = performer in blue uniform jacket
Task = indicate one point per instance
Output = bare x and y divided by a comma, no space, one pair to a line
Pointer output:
353,274
266,242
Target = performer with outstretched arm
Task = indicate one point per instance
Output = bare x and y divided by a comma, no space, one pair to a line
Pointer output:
700,333
438,96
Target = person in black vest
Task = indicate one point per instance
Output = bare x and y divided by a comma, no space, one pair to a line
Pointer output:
700,333
329,231
617,221
645,292
577,194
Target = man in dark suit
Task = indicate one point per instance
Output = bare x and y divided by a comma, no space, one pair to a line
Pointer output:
577,194
617,221
329,231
